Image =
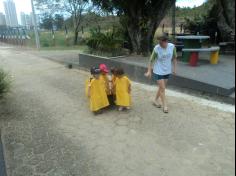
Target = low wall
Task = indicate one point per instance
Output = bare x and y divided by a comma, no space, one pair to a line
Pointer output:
2,161
136,73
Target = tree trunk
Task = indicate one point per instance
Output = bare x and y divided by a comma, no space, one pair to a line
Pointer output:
76,32
76,37
174,19
142,24
142,36
76,29
226,18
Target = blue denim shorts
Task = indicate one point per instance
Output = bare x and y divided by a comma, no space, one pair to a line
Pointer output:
161,77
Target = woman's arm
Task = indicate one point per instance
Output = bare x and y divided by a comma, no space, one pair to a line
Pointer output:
152,59
175,61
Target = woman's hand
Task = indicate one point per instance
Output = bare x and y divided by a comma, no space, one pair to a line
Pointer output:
148,74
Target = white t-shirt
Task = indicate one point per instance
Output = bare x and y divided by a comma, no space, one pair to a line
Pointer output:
163,65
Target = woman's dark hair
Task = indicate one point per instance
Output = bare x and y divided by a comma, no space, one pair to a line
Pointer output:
163,38
120,71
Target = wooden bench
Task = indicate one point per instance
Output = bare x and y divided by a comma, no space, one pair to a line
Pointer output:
194,56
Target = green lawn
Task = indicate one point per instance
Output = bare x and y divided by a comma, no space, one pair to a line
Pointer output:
59,42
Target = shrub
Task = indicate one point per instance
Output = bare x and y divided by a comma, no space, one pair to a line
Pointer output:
45,44
4,83
109,41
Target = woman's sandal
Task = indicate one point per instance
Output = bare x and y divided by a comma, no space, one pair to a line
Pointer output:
156,104
165,110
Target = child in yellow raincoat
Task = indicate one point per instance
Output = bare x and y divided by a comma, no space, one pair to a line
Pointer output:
122,90
113,76
113,81
105,77
96,92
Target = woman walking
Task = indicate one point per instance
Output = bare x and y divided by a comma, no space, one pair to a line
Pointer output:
161,63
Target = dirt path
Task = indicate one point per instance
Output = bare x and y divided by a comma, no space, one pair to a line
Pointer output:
48,130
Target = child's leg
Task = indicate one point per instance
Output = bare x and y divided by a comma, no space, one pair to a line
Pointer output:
111,100
120,108
97,112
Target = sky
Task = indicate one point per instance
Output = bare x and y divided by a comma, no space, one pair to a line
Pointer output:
25,5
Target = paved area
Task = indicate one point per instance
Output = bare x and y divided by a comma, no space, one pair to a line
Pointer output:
61,56
214,79
47,129
221,75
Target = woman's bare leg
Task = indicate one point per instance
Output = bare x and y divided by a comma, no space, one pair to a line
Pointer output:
158,94
162,88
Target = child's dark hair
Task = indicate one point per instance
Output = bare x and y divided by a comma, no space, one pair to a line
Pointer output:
120,71
113,70
95,71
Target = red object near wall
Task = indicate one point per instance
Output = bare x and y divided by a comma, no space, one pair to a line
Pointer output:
194,57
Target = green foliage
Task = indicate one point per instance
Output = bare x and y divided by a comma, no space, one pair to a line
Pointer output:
50,21
188,12
110,41
59,21
204,22
142,19
4,83
47,22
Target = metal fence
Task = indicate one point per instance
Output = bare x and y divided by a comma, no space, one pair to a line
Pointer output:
14,35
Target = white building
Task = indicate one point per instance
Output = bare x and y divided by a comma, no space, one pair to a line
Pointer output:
2,19
23,19
37,19
27,20
10,11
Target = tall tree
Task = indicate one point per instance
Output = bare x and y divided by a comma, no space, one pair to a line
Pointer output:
226,17
140,17
59,21
47,22
49,7
74,7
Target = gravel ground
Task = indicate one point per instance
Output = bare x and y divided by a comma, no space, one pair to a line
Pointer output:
47,128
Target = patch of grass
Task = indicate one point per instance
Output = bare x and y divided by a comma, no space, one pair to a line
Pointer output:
59,40
4,83
80,48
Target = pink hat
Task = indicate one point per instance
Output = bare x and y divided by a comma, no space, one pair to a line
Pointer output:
103,68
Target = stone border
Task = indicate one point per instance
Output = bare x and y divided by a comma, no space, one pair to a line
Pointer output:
136,73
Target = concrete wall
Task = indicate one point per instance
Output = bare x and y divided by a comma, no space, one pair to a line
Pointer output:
136,73
2,161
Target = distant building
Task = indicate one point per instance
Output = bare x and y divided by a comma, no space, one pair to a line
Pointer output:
10,11
25,20
2,19
37,19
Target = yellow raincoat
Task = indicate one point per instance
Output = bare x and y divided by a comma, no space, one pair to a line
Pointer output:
98,97
122,86
105,79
